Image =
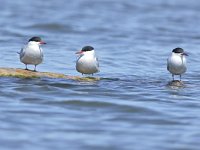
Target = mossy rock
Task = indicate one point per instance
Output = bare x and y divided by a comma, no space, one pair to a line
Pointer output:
21,73
176,83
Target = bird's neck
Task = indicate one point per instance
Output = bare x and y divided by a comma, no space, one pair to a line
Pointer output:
175,55
89,53
33,44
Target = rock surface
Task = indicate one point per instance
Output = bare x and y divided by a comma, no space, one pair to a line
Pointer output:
176,83
21,73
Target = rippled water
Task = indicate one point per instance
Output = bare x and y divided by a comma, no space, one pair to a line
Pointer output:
131,107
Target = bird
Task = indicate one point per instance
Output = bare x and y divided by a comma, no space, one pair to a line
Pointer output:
87,62
32,53
176,63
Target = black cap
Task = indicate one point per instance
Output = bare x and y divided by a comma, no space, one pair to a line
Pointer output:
36,39
178,50
87,48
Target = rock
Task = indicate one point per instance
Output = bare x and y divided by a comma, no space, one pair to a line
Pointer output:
21,73
176,83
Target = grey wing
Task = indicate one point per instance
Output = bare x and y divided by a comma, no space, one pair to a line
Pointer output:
41,53
167,64
97,61
22,53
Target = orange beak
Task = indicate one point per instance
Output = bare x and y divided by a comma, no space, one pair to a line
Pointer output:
79,52
185,54
42,42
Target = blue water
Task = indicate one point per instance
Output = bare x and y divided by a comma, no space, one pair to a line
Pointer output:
131,107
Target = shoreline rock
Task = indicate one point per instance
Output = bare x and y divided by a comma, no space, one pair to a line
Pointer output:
176,83
21,73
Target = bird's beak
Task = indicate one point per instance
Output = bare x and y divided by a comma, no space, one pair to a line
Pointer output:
184,54
42,42
79,52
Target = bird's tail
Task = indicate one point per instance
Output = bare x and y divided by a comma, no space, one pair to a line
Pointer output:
18,52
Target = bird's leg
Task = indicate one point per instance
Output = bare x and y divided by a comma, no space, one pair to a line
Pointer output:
180,77
173,77
35,68
26,67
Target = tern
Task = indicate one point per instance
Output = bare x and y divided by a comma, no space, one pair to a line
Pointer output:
32,53
87,62
176,63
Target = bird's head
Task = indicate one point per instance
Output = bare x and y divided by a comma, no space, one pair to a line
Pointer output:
179,51
84,50
37,40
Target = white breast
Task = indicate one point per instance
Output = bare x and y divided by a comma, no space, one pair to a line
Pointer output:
87,63
31,54
176,64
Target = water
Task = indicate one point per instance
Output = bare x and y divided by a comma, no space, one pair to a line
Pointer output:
131,107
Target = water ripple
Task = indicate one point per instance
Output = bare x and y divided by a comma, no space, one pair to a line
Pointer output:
132,100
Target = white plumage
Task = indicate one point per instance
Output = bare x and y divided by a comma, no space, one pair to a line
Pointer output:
32,53
87,63
176,63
